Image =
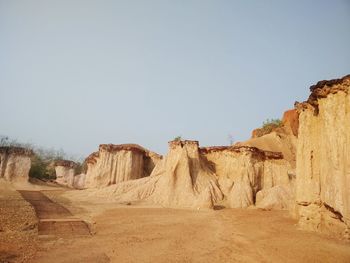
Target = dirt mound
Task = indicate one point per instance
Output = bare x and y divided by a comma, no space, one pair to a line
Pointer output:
278,197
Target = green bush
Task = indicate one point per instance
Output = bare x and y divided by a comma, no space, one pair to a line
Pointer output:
80,168
269,126
43,163
271,123
38,168
177,138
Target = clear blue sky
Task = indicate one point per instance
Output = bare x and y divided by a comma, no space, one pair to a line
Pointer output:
74,74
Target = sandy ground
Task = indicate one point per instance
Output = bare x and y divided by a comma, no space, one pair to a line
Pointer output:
135,233
143,234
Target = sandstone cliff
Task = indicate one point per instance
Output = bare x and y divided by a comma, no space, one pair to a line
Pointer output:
195,177
15,163
243,171
278,189
323,163
290,121
118,163
282,139
65,172
79,181
181,179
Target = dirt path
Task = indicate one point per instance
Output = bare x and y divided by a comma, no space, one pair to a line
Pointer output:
54,219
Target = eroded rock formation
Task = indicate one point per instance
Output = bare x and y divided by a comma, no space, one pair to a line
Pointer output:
278,189
282,139
65,172
181,179
323,163
118,163
79,181
15,163
195,177
243,171
290,121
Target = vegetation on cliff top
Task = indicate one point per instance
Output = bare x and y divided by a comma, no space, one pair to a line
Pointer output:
43,160
269,125
177,138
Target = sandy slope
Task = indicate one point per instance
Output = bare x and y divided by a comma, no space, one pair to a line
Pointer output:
276,142
138,234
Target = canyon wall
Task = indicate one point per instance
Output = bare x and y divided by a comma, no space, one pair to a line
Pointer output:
195,177
181,179
243,172
118,163
281,139
323,158
15,163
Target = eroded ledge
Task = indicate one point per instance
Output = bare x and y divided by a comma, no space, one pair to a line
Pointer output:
16,150
65,163
321,90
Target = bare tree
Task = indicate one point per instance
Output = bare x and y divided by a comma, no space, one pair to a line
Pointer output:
230,139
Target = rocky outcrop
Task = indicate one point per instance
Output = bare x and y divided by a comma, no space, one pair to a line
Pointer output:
79,181
288,125
243,171
15,163
279,197
65,172
181,179
277,189
282,139
290,121
276,142
185,180
194,177
323,163
118,163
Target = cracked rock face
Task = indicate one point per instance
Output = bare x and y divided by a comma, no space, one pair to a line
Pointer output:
15,163
194,177
65,172
113,164
245,171
181,179
323,163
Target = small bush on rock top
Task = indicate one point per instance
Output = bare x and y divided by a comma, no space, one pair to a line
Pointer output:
269,126
177,138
